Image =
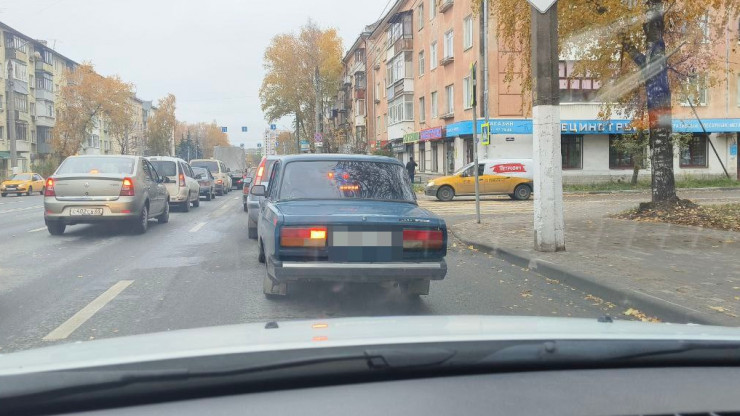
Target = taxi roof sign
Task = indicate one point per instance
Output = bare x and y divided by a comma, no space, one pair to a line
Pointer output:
542,5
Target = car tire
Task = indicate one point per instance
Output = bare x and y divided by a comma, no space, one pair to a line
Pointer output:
142,222
29,191
164,217
4,194
445,193
186,206
272,289
196,203
56,228
220,193
208,196
522,192
244,206
251,230
41,192
261,255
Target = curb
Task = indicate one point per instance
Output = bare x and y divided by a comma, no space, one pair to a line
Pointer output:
640,191
651,306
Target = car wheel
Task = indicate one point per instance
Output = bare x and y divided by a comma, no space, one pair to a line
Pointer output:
4,194
252,230
245,208
56,228
29,191
220,193
273,289
445,193
261,255
186,206
165,216
208,196
41,192
522,192
196,203
142,223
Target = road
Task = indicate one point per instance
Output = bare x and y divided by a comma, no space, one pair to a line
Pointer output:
200,269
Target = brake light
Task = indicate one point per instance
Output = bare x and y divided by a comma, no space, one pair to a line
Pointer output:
49,188
219,181
260,172
182,180
415,239
303,237
127,187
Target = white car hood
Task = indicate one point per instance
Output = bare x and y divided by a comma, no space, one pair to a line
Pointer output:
322,333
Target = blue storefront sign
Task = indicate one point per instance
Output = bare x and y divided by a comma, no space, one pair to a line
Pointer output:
522,126
733,150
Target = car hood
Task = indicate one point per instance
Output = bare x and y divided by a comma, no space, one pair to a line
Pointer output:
322,333
6,183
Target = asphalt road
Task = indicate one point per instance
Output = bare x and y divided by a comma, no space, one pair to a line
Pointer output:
200,269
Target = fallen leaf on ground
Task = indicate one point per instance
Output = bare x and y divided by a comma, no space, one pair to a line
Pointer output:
718,308
527,294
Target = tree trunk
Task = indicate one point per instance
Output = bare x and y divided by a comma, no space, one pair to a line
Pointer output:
659,108
635,173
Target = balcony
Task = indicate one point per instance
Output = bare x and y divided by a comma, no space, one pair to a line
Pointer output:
447,116
406,85
445,5
45,121
43,66
360,94
446,60
44,95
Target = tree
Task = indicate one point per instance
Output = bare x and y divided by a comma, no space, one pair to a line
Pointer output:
123,126
286,144
645,52
290,85
161,127
84,100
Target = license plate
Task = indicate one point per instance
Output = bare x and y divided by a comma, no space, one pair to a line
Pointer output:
86,211
362,239
11,187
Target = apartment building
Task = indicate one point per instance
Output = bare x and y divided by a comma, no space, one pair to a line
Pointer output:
351,106
418,101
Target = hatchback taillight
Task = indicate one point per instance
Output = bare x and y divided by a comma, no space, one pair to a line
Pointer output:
49,188
303,236
182,180
420,239
127,187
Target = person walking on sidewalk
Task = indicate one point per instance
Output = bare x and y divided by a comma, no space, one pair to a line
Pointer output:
411,168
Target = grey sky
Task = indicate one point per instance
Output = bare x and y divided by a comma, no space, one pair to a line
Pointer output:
207,53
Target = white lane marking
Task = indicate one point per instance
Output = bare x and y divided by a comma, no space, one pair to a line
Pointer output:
237,198
67,328
7,211
197,227
35,230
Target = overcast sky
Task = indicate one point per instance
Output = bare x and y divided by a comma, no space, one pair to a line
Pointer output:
208,53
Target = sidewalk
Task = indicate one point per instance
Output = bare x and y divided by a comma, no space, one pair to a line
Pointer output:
678,273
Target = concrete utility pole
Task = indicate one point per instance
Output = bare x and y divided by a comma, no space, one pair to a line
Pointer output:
317,130
549,233
11,117
484,60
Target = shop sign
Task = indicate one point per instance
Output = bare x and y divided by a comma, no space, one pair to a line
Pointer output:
411,137
596,127
712,125
434,133
733,150
398,147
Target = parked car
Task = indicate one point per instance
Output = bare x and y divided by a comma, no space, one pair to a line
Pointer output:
92,189
346,218
253,201
21,183
218,170
206,181
182,185
511,177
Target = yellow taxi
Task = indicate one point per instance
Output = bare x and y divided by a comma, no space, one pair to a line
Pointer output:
512,177
23,183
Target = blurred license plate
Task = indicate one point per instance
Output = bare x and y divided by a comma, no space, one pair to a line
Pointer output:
12,186
362,239
86,211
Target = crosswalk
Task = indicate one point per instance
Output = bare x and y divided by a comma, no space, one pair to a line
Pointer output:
467,207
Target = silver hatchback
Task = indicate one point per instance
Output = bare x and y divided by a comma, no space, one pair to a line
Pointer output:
93,189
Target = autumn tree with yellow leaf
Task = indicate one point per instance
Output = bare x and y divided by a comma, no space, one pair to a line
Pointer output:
648,54
161,127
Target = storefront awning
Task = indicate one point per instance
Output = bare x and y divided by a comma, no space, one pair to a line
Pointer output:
4,155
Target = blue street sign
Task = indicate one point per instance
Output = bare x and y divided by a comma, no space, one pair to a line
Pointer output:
273,126
259,144
223,129
244,129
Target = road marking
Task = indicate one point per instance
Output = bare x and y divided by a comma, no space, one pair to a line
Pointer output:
7,211
197,227
67,328
237,198
35,230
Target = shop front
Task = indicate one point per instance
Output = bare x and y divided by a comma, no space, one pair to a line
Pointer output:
432,150
410,140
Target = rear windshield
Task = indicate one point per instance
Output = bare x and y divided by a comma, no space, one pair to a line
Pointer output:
95,165
21,177
201,171
346,179
210,165
164,167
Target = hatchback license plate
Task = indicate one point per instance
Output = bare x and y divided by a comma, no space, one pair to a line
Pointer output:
86,211
362,239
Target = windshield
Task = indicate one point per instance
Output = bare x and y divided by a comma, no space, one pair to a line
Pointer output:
210,165
93,165
165,167
605,132
21,177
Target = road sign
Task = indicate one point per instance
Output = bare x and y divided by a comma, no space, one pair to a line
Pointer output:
485,134
318,138
542,5
273,126
244,129
259,144
473,85
224,129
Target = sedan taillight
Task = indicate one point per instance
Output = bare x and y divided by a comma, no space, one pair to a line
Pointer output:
420,239
127,187
49,188
303,237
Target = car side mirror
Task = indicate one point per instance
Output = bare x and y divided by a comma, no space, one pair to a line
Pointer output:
166,179
258,190
199,176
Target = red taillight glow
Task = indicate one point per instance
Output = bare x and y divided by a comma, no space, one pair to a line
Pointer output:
219,181
49,188
260,171
422,239
331,175
349,187
303,237
182,180
345,176
127,187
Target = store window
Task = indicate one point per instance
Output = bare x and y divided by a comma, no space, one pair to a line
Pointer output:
694,153
571,147
422,157
619,159
576,89
435,148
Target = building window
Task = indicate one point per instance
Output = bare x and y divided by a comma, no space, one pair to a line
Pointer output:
695,92
450,90
420,15
421,64
21,102
360,108
377,126
33,109
21,131
2,101
2,132
16,43
360,55
449,44
385,122
468,32
432,9
433,55
377,90
360,81
48,57
422,110
435,109
467,93
576,89
401,109
571,147
434,156
694,153
19,71
44,82
619,159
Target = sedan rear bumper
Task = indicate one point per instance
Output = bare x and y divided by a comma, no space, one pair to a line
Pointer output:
356,272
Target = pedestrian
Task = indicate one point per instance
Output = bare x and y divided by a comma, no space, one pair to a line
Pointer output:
410,168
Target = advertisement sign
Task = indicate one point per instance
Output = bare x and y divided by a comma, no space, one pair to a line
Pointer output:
435,133
508,168
411,137
398,147
733,150
305,145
